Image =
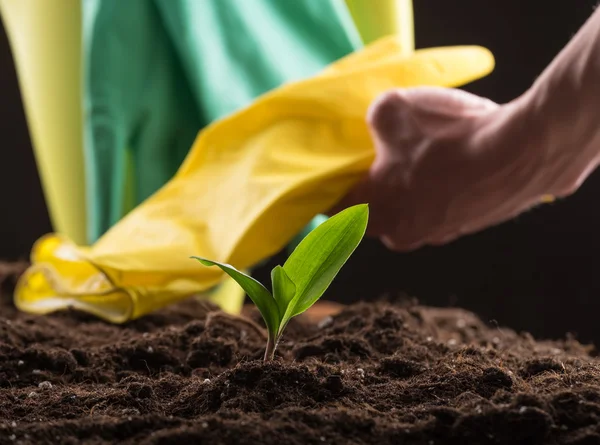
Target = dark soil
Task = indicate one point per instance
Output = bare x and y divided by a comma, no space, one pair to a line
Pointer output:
376,373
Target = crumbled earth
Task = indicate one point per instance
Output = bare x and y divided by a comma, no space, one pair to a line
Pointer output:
377,373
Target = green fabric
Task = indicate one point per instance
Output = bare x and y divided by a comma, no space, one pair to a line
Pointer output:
158,71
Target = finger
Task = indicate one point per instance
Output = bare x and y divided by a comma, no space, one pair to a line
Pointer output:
449,101
400,120
401,246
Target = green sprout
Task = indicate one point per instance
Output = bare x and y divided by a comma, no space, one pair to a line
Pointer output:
306,274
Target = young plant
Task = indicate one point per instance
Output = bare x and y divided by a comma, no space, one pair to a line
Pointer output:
306,274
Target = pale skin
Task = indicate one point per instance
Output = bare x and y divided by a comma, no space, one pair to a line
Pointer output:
449,163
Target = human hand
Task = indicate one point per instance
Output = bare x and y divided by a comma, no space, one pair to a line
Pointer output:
449,163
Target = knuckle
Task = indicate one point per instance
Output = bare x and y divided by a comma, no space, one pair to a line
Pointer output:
384,113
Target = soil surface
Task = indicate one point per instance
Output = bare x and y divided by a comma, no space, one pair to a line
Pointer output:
380,373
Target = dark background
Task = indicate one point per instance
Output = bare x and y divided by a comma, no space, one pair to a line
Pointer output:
537,273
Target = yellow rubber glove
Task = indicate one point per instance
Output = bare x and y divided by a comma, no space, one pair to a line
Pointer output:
249,184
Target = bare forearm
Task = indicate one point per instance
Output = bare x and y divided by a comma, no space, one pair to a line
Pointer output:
564,102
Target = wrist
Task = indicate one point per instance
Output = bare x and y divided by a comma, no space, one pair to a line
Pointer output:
563,140
561,106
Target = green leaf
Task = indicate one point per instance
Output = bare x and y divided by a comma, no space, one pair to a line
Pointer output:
284,288
261,297
319,257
